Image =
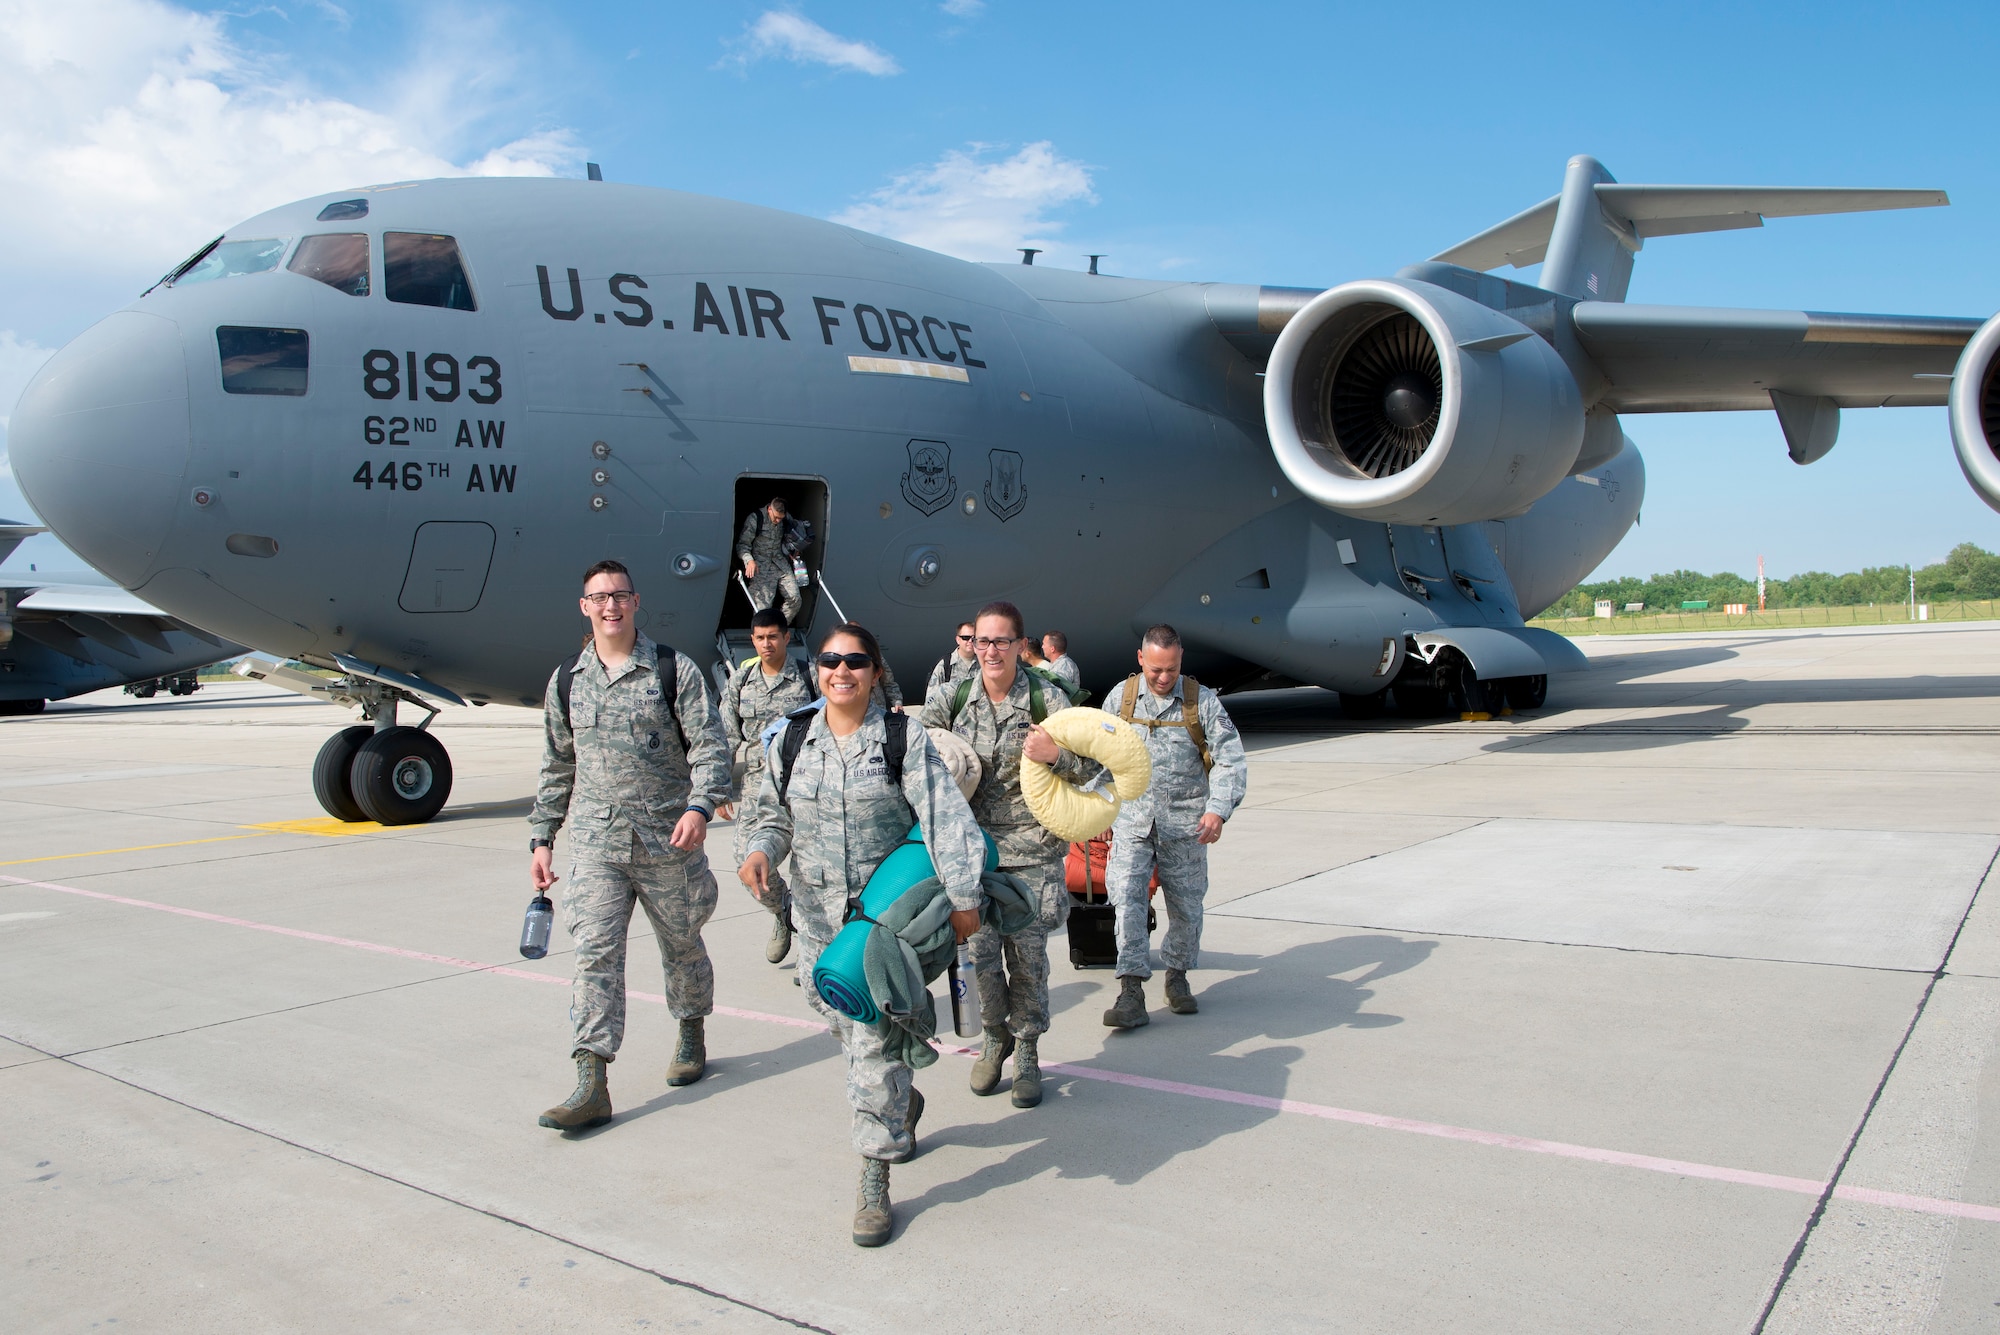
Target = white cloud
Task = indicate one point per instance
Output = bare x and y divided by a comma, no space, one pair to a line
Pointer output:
969,205
792,36
133,130
20,358
964,9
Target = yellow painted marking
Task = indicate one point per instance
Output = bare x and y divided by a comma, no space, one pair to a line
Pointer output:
136,848
324,825
897,366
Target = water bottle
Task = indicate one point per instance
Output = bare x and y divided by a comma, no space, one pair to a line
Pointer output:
799,575
535,928
964,994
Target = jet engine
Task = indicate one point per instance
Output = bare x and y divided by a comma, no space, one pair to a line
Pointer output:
1402,402
1975,412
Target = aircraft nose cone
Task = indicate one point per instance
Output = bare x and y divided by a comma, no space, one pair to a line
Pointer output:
99,442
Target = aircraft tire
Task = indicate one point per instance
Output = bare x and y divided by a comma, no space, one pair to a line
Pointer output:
146,691
21,708
1527,692
401,776
1478,695
332,769
1421,701
1364,706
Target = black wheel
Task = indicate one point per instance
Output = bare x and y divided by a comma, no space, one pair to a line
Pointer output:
146,690
1364,706
20,708
401,777
1421,701
1075,958
331,770
1527,692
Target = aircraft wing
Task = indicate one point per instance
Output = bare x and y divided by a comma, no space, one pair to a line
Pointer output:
1663,359
85,620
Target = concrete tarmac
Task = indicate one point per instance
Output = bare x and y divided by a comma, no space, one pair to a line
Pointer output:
1670,1007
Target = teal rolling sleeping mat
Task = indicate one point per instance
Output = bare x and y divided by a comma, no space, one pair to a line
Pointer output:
838,975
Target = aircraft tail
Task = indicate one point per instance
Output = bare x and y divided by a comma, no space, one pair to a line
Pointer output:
1585,237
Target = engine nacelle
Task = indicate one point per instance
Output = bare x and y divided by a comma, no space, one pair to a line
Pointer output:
1403,402
1975,412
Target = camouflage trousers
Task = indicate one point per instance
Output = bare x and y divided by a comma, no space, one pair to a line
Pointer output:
678,893
878,1086
1013,971
1183,865
780,902
769,587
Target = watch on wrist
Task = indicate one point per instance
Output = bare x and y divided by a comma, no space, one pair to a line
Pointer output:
534,844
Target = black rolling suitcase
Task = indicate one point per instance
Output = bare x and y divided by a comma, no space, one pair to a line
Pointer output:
1093,922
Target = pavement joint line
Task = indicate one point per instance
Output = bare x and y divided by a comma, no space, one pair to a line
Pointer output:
1380,1121
437,1195
1834,1188
136,848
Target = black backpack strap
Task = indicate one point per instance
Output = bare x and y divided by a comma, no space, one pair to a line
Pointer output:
563,674
897,748
668,669
797,724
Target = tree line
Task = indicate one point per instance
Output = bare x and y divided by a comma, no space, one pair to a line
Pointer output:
1969,573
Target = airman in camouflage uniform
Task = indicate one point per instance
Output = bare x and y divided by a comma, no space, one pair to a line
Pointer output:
840,816
767,570
615,770
751,701
955,666
1171,826
1012,972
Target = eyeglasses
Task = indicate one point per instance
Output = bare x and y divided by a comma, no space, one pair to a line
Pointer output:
853,662
621,597
983,643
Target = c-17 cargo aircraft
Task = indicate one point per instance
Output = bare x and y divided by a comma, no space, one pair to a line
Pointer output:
383,431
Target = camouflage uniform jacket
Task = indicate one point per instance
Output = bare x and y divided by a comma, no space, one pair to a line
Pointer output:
995,733
950,670
1065,667
753,700
840,818
1181,794
615,769
762,540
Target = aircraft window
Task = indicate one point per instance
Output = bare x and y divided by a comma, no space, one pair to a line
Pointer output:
338,259
232,259
262,361
423,270
346,210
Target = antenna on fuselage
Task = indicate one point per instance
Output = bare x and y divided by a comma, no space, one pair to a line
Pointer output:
1093,261
593,171
1028,254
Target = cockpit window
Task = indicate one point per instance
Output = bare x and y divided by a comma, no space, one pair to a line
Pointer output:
262,361
338,259
232,259
345,210
423,270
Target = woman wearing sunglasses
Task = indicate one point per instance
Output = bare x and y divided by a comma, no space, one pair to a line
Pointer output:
838,815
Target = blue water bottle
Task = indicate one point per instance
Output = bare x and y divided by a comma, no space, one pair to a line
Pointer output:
535,929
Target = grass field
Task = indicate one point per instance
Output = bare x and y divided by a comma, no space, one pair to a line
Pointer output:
1656,623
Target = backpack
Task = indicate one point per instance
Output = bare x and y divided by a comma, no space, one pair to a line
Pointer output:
665,662
1190,715
1037,707
799,722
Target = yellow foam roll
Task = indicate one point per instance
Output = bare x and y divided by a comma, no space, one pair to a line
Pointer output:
1062,808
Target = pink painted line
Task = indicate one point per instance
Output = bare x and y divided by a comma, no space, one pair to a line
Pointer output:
1380,1121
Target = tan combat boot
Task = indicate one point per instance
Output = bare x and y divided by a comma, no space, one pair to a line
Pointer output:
691,1057
780,944
1129,1011
589,1105
1027,1075
1180,997
872,1221
986,1071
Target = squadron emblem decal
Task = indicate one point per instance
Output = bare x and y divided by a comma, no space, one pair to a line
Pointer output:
1004,493
929,485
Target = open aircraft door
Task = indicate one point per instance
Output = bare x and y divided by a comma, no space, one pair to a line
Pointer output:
805,499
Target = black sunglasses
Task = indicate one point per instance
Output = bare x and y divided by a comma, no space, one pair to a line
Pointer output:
854,662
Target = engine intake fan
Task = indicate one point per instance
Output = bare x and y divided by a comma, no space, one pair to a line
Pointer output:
1403,402
1975,412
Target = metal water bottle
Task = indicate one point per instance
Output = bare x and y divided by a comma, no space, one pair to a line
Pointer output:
535,928
964,994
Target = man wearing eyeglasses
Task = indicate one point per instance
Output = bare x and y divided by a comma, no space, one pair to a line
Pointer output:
955,666
634,761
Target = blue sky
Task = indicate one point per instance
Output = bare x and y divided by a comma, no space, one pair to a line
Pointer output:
1291,144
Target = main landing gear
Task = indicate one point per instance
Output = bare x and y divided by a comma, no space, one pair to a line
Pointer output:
379,770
